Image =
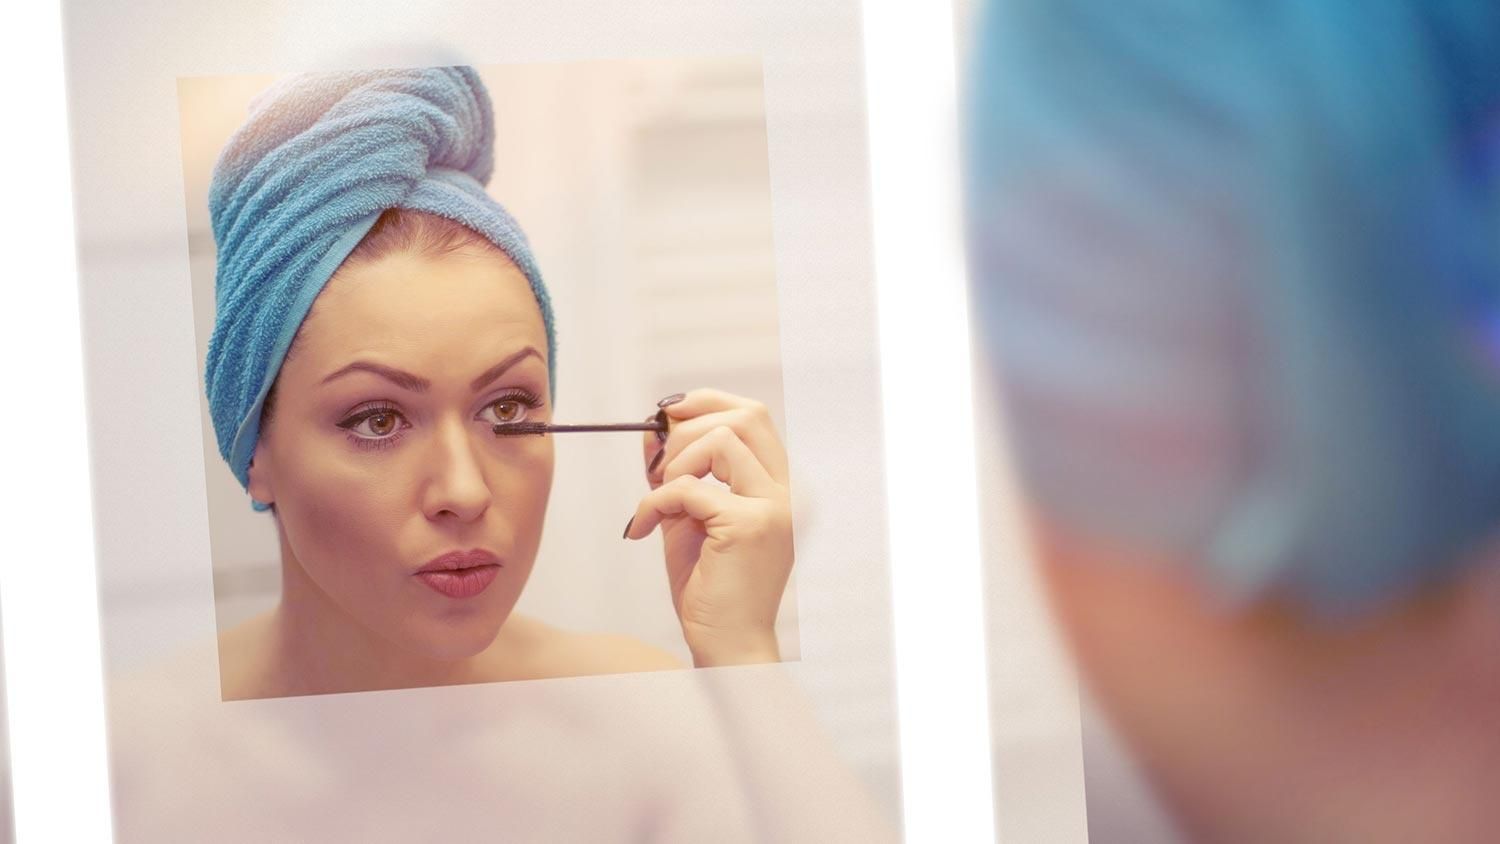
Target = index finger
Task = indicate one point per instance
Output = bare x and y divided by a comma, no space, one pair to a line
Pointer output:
708,400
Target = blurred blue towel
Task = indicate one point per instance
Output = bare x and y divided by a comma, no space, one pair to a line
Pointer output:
318,159
1238,266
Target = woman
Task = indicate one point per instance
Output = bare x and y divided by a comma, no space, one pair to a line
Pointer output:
1238,270
377,315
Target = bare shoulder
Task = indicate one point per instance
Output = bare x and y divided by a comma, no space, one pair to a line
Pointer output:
245,636
554,652
615,653
242,657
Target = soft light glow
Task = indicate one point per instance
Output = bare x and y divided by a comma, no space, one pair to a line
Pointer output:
931,483
48,593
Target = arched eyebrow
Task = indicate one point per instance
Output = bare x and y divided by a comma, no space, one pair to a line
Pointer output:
417,384
499,369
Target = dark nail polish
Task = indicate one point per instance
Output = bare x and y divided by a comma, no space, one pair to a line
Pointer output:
626,534
672,399
656,461
663,421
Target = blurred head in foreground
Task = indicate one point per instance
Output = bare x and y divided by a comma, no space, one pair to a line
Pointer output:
1237,275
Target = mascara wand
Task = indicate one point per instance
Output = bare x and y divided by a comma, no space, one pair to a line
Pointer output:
658,423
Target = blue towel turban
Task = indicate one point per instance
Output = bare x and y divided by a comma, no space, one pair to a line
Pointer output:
318,159
1237,266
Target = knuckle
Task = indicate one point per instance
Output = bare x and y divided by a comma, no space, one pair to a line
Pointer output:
758,519
752,417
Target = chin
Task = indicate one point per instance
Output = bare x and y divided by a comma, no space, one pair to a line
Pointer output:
452,641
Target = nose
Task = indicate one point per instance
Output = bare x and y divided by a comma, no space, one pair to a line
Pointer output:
456,487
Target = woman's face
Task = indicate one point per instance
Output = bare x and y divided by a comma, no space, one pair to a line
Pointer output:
379,455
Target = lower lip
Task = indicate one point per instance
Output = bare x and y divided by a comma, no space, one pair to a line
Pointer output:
460,583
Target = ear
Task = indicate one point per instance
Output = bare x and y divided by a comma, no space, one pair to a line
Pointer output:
261,486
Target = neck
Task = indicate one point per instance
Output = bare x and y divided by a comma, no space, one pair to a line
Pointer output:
1381,732
1264,726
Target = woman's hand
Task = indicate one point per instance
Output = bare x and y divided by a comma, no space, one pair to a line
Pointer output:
728,547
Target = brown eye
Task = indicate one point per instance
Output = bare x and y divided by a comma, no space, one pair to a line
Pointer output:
382,424
508,410
374,424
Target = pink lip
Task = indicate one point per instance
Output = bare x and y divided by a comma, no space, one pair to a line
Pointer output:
460,574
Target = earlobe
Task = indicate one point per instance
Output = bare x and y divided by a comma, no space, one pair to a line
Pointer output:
260,487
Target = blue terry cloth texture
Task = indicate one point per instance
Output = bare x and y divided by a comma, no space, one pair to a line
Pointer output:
1273,224
319,158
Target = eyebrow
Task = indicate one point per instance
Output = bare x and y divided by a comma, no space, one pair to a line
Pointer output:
499,369
417,384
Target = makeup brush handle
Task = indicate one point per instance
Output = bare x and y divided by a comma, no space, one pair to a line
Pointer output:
523,428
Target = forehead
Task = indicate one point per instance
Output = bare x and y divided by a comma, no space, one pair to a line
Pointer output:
468,299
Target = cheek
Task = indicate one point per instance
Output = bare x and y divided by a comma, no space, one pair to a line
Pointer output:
341,512
522,488
332,472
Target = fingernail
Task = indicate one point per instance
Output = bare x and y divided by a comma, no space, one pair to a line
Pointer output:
626,534
672,399
661,419
655,461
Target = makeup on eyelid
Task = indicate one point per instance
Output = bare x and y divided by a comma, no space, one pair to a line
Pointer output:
371,412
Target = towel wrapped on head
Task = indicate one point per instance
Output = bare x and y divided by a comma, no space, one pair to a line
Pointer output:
317,161
1239,269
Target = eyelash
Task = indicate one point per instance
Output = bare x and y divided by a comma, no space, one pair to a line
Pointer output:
523,396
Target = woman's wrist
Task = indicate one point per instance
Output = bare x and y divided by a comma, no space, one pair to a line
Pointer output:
719,651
